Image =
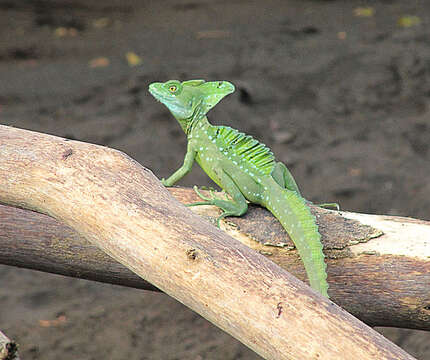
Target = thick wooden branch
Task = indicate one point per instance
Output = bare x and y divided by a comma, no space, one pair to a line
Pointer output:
370,276
121,207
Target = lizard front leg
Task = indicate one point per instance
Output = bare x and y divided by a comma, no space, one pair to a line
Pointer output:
184,169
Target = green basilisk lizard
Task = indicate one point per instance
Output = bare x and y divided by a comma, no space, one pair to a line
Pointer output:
242,167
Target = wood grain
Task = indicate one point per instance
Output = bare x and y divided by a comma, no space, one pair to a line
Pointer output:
380,287
121,207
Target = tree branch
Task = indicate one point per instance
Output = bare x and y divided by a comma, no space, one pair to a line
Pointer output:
370,276
121,207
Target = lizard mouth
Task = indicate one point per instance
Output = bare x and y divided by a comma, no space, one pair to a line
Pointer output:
156,93
153,91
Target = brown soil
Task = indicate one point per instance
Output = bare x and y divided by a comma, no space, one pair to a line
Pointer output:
342,98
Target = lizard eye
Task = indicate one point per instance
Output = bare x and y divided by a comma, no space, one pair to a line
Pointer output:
172,88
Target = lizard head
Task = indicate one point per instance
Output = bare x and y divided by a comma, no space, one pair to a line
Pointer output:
190,99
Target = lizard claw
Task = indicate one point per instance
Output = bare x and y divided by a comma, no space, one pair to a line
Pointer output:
209,201
196,189
334,206
222,216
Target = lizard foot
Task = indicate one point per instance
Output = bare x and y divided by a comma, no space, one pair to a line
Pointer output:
209,200
334,206
229,207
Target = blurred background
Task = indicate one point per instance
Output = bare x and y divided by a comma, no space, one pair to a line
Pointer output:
340,90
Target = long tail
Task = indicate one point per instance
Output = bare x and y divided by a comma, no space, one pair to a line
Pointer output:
293,213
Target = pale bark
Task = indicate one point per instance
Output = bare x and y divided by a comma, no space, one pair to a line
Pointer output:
384,280
8,348
121,207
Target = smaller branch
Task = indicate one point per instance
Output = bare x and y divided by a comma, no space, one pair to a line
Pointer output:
8,348
35,241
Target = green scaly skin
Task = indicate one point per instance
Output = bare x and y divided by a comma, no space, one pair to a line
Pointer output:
242,167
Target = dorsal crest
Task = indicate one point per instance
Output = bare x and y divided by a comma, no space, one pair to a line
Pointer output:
245,148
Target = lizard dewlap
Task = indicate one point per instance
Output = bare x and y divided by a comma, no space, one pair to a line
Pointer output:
242,167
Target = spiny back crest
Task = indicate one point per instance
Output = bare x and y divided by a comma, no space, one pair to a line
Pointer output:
245,148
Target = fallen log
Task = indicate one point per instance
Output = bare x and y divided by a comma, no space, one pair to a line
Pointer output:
121,207
378,266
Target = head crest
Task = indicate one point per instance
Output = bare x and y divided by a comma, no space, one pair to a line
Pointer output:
192,98
213,92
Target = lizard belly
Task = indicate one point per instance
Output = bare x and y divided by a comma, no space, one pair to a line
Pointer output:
209,164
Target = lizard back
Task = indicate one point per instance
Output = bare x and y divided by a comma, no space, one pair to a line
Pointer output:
244,148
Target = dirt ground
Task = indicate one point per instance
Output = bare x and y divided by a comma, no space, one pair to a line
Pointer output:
338,90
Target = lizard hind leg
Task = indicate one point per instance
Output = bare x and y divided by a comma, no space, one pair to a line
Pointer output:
283,177
235,207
